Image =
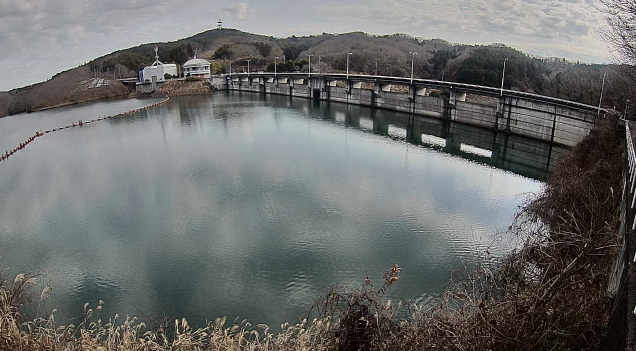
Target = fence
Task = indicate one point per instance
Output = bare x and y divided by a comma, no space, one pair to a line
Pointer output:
621,328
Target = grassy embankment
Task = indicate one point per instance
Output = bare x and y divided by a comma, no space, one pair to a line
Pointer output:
547,295
65,88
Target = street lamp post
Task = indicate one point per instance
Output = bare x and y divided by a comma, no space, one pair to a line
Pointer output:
319,58
309,55
503,76
230,69
248,68
412,63
275,61
600,100
349,53
376,68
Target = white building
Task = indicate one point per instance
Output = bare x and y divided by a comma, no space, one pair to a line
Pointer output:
197,67
153,73
157,71
171,69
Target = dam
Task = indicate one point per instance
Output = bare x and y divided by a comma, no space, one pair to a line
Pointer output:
539,117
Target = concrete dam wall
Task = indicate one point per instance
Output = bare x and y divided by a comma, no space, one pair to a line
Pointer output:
540,117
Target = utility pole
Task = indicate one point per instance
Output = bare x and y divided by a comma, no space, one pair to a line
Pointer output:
412,63
376,68
600,100
503,75
275,61
309,55
349,53
319,71
248,68
442,75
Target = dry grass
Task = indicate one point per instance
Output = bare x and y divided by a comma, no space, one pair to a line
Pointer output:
550,294
130,334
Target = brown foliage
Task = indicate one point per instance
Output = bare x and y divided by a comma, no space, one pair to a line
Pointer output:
360,315
621,34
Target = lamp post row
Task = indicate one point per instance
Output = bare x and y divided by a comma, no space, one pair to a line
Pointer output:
503,73
320,58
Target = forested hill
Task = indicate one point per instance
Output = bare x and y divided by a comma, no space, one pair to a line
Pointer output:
435,59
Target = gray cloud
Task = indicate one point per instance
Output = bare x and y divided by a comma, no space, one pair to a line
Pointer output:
568,23
240,11
39,38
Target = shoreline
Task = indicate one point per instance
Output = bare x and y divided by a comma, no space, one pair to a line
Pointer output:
181,89
70,103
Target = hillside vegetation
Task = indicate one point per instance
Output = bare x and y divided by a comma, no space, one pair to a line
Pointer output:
436,59
62,89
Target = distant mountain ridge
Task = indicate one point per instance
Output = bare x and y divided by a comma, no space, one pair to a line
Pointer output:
389,54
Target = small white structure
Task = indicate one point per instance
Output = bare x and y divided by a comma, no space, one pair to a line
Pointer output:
219,24
171,69
157,71
197,67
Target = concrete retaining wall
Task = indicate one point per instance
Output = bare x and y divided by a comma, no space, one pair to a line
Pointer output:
430,106
394,101
475,114
538,117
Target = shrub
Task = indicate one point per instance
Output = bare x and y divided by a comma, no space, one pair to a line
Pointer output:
360,315
263,48
181,53
224,52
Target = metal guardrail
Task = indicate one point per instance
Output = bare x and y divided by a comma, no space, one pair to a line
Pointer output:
620,328
631,162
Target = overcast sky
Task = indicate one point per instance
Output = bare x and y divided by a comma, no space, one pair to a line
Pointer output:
39,38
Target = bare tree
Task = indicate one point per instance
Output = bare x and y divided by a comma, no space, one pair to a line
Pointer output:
621,31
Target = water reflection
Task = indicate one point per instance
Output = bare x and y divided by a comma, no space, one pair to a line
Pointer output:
15,129
250,206
524,156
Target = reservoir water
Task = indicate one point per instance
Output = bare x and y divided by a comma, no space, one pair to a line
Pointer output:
250,206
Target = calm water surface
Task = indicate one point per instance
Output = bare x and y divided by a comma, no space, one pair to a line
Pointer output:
247,206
